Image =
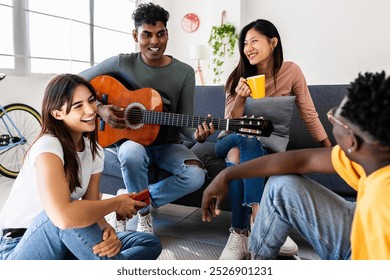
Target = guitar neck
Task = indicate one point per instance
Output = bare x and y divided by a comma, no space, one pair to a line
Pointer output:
174,119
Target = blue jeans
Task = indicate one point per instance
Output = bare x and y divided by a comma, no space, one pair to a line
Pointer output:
322,217
134,160
243,192
44,241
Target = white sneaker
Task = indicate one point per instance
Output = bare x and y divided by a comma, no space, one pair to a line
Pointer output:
289,248
111,219
116,224
121,191
145,223
236,247
119,225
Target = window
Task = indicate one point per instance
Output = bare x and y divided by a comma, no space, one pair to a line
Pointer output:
64,35
6,46
107,42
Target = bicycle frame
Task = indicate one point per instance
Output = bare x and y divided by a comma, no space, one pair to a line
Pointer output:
13,140
19,126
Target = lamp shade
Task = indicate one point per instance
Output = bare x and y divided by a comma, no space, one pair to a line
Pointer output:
199,52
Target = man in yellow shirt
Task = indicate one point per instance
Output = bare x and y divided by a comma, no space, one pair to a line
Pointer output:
336,228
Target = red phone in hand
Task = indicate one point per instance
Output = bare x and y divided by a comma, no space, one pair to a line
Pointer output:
143,196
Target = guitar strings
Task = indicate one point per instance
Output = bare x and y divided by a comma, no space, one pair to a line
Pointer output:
251,126
166,118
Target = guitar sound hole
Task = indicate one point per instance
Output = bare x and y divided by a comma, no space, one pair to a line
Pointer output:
134,116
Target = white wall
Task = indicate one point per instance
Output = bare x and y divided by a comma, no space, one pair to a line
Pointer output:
332,40
27,90
209,13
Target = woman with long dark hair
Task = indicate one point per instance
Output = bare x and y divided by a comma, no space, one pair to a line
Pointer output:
261,53
54,210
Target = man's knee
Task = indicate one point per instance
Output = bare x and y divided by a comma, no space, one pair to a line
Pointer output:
131,151
193,162
281,185
196,173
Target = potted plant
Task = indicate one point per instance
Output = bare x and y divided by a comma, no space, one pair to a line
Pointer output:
222,40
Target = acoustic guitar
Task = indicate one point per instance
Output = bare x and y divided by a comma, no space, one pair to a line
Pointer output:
143,115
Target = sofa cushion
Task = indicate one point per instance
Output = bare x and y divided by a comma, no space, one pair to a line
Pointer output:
278,110
210,100
324,97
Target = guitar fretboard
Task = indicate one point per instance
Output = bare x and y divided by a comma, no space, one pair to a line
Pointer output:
259,126
173,119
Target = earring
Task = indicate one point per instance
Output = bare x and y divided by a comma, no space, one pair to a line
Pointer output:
349,150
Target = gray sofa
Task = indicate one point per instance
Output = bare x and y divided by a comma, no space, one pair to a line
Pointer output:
211,100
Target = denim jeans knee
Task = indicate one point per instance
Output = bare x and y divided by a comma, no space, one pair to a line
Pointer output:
320,216
134,163
185,178
195,176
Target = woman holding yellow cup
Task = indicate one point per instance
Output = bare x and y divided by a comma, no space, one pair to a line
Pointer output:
261,72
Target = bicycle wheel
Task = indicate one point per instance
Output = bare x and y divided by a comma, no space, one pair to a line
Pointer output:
28,122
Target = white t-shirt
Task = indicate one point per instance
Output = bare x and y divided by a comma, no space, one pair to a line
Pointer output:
24,203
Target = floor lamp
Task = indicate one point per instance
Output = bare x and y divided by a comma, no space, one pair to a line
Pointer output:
199,52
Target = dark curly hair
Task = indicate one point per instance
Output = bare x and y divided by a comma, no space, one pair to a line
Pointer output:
149,13
368,105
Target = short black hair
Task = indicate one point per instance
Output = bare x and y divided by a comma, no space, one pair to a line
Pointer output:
149,13
368,105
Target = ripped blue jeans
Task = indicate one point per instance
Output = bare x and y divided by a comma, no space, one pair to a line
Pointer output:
134,161
44,241
242,192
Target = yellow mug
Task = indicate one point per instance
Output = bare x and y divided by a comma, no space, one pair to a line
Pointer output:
257,86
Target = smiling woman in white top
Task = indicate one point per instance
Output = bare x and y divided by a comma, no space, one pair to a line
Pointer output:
54,210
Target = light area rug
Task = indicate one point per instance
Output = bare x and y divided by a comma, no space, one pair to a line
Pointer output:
181,249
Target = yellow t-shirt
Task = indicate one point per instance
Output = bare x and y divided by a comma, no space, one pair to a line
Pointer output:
370,236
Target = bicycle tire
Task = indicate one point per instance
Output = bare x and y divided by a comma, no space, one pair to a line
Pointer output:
29,123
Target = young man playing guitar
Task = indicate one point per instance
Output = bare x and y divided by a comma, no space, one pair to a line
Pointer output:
175,81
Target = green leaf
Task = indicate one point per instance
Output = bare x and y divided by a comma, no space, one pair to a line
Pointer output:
222,41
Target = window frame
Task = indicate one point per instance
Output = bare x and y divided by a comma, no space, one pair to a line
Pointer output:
21,40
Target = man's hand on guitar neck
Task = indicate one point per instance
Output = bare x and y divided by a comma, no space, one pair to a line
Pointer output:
112,115
203,131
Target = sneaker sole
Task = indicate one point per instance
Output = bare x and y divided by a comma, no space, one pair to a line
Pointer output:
288,253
